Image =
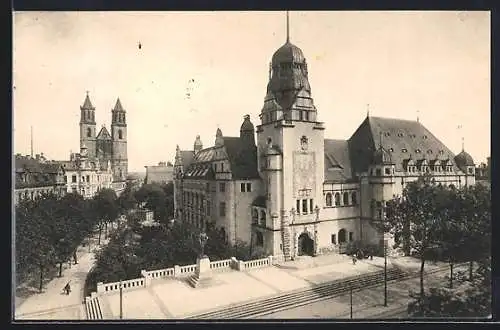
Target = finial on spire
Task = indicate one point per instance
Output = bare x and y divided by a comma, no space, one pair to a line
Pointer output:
87,93
460,128
418,117
287,27
368,109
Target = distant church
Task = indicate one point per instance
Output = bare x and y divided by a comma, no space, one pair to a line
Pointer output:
107,148
293,192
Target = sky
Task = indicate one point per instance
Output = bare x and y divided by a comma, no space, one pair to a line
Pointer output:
430,65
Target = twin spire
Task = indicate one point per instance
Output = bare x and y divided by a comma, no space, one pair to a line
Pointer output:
87,104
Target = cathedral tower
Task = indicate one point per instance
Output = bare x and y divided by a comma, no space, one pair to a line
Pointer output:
119,161
88,126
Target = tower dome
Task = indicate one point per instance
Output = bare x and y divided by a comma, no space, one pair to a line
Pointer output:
247,125
288,53
463,159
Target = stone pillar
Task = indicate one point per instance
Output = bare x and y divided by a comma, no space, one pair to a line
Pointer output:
177,270
100,287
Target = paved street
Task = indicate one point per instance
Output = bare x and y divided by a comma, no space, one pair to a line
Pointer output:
367,303
52,303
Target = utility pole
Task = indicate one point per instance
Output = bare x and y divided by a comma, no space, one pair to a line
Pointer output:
121,300
385,272
350,298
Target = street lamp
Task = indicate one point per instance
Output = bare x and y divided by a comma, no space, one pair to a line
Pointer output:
121,300
350,298
385,272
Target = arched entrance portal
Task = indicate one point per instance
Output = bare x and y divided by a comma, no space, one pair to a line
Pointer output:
306,245
342,236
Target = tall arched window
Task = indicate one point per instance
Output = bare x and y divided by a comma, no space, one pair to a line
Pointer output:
337,199
346,198
263,217
354,198
328,199
89,132
120,134
255,216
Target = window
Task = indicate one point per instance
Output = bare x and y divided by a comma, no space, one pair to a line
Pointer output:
391,150
73,178
215,167
120,134
337,199
328,199
429,151
269,140
263,217
65,179
249,187
304,206
354,198
298,206
378,172
222,209
88,178
387,171
418,151
222,167
404,150
242,187
255,216
222,187
470,170
351,236
89,132
334,239
425,137
311,205
346,198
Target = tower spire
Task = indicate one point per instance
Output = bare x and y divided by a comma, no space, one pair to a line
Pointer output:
287,27
31,141
368,109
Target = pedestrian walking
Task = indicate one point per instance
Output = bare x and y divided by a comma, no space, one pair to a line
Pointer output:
354,259
67,288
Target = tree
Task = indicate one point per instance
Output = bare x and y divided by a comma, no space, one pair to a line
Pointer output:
153,195
127,200
106,208
417,217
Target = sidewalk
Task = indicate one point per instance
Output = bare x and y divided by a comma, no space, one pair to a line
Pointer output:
52,303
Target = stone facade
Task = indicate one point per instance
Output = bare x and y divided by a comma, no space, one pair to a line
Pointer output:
308,195
106,147
37,176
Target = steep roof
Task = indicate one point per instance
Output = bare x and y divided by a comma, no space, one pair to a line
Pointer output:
337,161
200,171
118,105
242,158
402,138
187,157
87,105
103,134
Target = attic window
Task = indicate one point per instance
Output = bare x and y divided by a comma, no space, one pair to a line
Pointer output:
387,134
424,137
413,136
391,150
418,151
400,134
441,152
404,150
429,151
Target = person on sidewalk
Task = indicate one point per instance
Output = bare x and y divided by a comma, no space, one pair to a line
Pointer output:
67,288
354,259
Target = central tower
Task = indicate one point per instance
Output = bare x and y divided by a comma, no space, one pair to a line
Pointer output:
290,148
119,137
